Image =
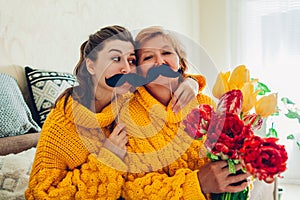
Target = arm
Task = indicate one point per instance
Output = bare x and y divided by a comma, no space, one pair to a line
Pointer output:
214,177
192,85
183,185
92,180
64,168
117,140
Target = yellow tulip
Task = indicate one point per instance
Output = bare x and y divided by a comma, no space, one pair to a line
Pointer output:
221,84
239,76
266,105
249,96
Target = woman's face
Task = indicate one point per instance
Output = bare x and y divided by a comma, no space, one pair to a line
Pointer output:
156,51
117,57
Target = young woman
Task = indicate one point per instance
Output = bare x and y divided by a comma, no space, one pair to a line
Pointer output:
163,161
82,145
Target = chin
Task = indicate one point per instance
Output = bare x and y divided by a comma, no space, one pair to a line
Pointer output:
122,89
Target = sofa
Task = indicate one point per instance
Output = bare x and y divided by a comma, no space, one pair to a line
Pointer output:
18,143
27,95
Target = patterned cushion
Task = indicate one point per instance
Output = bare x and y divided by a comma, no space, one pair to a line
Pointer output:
45,87
14,174
15,115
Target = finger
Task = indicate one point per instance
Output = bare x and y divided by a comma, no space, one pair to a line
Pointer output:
238,178
222,164
237,188
177,107
238,167
175,99
122,135
118,129
180,103
124,142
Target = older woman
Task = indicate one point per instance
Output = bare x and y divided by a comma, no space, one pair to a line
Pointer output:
163,161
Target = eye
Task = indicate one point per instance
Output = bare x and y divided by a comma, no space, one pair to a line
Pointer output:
167,52
132,62
116,58
147,58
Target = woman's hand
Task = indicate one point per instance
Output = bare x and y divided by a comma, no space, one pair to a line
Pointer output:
186,91
117,140
214,177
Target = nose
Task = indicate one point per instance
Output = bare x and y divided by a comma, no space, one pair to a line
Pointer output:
159,59
125,68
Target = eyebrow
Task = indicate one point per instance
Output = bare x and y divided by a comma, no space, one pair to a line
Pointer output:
117,50
145,50
167,46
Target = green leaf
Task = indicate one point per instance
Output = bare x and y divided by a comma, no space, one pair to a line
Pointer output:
298,144
263,88
286,100
277,112
292,114
236,161
290,137
212,156
231,166
272,133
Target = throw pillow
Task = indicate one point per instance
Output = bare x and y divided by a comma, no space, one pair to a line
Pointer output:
45,86
15,115
14,174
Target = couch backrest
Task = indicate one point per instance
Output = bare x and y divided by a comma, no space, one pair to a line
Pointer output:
18,72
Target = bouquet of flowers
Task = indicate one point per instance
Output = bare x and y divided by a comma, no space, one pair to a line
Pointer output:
229,129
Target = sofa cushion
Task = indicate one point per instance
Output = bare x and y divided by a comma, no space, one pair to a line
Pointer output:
14,174
44,87
15,116
18,72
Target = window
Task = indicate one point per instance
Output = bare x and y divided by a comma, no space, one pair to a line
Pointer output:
265,36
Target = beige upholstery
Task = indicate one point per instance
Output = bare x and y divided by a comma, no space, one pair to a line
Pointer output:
18,143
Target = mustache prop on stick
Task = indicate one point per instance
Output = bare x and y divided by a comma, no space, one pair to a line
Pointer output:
137,80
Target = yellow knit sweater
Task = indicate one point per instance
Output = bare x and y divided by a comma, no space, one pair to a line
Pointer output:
70,162
162,159
161,163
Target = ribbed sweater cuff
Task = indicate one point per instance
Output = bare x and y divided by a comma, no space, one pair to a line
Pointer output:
111,160
191,187
200,79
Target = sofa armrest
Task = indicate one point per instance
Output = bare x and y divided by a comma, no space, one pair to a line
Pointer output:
19,143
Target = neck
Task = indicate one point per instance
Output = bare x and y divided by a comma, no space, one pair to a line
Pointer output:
162,93
102,99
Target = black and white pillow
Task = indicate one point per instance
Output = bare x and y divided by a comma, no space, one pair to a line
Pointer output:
45,86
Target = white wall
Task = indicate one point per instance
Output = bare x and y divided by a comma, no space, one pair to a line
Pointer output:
213,31
47,34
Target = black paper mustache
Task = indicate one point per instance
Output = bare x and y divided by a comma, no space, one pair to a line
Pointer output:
137,80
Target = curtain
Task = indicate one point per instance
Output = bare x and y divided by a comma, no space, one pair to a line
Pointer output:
265,36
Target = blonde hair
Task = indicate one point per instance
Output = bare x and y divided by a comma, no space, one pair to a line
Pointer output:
148,33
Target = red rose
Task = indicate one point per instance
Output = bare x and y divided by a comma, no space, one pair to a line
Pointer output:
197,121
230,102
226,135
263,158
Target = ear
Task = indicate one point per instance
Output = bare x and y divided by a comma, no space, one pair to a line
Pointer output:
90,66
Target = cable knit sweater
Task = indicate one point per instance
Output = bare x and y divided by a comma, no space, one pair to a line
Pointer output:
66,164
161,163
162,159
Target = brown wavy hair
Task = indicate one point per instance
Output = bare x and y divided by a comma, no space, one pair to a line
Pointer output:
84,91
